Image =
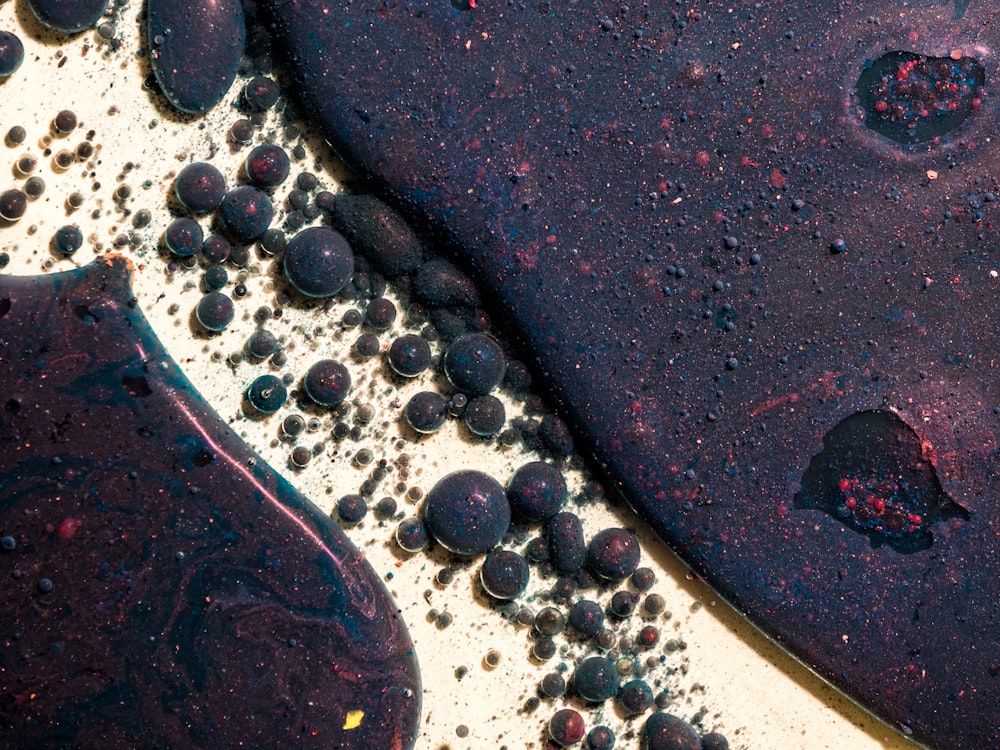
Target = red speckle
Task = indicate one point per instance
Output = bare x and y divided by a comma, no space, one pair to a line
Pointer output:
68,528
778,180
702,159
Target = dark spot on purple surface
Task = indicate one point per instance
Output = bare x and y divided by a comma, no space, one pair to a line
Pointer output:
200,187
504,574
595,679
613,554
327,382
245,213
68,16
136,386
267,394
873,477
223,604
215,311
195,50
467,512
267,166
318,262
11,53
911,98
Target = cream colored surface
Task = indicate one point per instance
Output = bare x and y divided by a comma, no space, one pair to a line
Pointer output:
749,690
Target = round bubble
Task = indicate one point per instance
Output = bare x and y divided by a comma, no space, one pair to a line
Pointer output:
267,394
318,262
613,554
467,512
475,364
200,187
537,491
504,574
11,53
327,382
215,311
596,679
245,213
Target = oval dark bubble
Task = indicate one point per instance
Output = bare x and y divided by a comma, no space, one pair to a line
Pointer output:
68,16
200,187
195,50
11,53
245,213
318,262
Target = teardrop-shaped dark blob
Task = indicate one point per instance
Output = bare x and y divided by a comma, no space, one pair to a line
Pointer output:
873,477
68,16
167,588
195,49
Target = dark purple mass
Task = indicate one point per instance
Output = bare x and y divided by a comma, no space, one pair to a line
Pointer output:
166,587
711,259
195,49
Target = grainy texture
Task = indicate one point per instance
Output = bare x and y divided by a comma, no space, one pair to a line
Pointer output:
712,262
166,588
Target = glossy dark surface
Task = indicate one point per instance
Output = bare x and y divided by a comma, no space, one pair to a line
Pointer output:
68,16
195,50
166,588
713,262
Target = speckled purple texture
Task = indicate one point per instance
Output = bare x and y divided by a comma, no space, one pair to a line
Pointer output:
712,263
196,599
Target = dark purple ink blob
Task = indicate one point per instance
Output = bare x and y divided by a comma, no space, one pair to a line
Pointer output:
504,574
613,554
378,232
409,355
537,491
318,262
245,213
911,98
426,411
567,547
267,166
67,240
13,204
215,311
179,592
596,679
200,187
475,364
664,731
183,237
586,617
467,512
327,382
566,727
68,16
11,53
873,477
195,50
260,94
267,394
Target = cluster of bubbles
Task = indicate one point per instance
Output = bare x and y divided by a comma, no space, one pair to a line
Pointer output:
341,249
